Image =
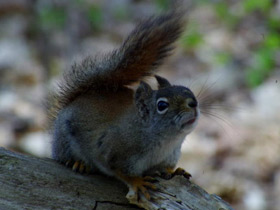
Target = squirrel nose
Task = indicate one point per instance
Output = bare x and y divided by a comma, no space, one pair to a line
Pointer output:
192,103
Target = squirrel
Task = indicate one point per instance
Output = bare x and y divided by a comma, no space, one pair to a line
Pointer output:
101,124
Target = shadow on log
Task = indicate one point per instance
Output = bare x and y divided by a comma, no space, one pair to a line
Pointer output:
35,183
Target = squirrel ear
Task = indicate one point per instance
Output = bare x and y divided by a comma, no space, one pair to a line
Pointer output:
143,91
142,94
162,82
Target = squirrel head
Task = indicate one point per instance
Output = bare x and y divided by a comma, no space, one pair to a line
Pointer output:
169,109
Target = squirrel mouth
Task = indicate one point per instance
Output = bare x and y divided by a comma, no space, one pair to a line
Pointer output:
186,121
189,122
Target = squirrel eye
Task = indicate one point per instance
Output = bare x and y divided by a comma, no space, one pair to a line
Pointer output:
162,105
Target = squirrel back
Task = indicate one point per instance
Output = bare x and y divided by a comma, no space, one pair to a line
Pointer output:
138,56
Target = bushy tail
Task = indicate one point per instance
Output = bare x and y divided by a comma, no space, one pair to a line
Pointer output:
139,55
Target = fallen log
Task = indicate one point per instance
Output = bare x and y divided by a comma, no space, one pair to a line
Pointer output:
40,183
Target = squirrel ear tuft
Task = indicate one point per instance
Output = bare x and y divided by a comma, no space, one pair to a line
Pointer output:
162,82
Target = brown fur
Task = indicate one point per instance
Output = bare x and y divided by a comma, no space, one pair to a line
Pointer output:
139,55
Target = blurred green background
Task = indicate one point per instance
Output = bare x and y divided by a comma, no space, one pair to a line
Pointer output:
229,53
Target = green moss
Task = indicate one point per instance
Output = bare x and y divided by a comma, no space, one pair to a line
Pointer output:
262,65
253,5
94,14
222,58
191,38
224,14
272,41
121,13
52,17
163,4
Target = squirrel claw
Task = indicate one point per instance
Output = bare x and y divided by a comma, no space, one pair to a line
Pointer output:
170,173
77,166
140,184
181,172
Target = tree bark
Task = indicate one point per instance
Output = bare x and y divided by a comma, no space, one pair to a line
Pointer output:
35,183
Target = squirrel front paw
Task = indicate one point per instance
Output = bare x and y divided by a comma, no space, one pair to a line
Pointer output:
169,173
138,185
78,166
